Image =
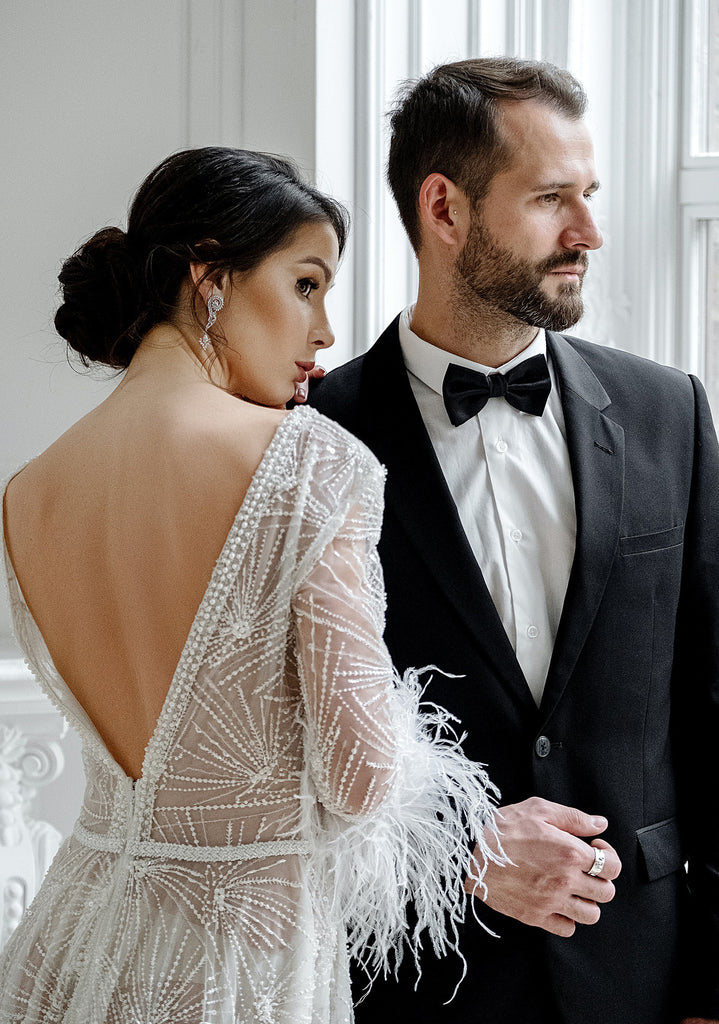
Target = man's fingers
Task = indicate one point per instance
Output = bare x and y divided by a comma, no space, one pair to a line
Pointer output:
572,820
597,890
559,925
585,911
612,864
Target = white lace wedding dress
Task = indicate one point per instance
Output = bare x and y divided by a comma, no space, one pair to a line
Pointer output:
293,797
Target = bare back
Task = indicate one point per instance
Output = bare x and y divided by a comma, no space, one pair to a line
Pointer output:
114,532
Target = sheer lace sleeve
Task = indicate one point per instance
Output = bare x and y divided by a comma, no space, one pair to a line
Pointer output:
344,669
400,806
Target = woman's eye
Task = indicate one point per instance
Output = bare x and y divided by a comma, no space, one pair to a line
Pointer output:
306,285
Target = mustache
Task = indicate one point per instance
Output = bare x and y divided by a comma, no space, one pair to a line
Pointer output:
571,260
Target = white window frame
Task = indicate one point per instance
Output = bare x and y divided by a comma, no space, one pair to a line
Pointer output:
698,191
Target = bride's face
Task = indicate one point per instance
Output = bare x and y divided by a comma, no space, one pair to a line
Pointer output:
274,320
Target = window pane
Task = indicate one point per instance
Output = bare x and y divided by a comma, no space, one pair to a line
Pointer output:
712,337
713,76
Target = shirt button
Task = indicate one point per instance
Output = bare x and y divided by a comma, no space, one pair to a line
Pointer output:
516,535
501,445
532,632
543,746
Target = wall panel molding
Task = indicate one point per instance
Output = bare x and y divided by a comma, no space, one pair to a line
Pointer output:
213,81
31,757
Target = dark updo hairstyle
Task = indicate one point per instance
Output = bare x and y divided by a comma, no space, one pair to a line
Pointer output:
226,208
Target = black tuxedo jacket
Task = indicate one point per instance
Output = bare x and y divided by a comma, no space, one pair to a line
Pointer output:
631,704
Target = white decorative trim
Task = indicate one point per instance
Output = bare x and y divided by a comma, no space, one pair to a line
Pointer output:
14,899
30,757
26,846
12,825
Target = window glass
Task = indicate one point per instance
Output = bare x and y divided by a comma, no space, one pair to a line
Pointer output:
713,79
712,307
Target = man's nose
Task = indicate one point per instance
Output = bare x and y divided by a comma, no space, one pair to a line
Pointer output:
582,232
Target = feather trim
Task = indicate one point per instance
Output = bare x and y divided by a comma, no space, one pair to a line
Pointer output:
416,848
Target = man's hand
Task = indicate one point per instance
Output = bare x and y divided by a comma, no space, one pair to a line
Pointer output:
547,884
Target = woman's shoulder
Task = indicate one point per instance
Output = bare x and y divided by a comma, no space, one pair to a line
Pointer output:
218,442
327,441
301,436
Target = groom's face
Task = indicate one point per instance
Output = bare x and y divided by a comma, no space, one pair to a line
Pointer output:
526,250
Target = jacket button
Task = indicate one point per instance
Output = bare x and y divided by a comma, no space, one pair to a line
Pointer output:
543,746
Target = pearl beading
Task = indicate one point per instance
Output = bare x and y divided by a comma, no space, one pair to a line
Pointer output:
186,852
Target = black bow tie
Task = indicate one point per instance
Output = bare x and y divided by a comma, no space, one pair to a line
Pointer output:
526,387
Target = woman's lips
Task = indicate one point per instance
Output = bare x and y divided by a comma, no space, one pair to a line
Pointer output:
305,368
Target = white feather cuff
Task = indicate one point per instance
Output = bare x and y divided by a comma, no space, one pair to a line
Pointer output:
416,848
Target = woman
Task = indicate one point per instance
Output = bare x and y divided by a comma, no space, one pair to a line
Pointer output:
193,577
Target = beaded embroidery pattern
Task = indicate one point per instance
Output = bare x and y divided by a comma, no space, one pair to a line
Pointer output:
210,890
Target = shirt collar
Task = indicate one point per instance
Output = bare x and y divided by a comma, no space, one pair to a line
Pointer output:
429,363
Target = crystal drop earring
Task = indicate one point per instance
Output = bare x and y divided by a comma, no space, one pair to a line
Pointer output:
214,305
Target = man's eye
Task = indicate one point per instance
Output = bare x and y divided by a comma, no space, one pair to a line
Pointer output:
549,199
306,285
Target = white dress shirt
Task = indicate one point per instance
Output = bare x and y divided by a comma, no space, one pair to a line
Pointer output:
509,475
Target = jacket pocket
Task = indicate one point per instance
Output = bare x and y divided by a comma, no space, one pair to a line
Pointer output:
645,542
661,848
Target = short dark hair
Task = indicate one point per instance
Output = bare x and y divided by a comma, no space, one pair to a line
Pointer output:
226,208
448,122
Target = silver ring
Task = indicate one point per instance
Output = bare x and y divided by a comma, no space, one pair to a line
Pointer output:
598,865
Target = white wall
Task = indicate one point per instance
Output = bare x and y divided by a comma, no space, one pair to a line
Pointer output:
89,104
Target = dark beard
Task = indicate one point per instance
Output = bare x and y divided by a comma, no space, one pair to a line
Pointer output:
499,278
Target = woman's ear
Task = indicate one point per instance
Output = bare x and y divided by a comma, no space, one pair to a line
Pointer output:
201,280
206,284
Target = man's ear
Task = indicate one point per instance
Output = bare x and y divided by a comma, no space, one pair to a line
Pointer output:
443,210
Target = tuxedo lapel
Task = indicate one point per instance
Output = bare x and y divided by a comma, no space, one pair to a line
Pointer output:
418,497
596,453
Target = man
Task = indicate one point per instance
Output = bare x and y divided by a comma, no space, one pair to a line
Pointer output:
552,536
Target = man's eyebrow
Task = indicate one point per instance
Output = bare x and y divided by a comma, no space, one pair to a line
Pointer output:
556,186
318,262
